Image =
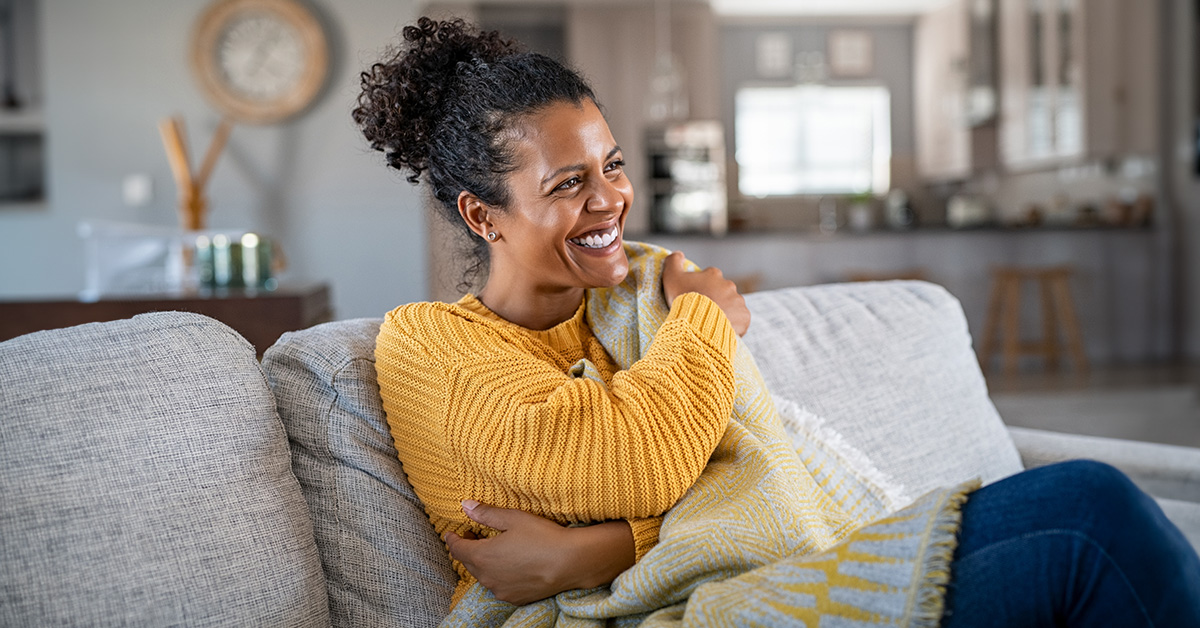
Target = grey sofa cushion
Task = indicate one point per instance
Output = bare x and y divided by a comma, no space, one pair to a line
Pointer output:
384,563
888,365
145,481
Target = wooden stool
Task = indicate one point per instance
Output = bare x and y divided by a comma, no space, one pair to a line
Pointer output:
1058,314
747,283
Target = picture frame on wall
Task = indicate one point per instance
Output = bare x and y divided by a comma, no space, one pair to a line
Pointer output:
851,53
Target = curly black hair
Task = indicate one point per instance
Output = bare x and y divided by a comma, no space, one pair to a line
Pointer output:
444,104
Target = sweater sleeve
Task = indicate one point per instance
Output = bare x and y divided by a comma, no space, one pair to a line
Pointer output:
645,535
573,446
573,449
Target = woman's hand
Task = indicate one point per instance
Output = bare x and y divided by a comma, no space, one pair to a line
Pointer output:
534,558
709,282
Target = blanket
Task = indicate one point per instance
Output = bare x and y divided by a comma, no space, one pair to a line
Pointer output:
778,530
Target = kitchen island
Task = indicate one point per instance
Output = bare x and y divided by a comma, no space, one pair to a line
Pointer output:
1121,283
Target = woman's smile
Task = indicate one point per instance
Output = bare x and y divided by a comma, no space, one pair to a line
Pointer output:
599,240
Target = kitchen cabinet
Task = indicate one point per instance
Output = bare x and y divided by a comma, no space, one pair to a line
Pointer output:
955,89
1075,80
941,82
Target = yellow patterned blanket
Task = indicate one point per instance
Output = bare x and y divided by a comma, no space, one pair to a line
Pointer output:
774,533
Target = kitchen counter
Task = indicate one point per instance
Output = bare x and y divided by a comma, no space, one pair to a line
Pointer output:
1120,286
931,229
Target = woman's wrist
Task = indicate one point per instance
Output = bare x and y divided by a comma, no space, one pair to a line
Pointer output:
597,554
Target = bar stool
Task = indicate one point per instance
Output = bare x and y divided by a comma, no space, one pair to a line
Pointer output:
1058,314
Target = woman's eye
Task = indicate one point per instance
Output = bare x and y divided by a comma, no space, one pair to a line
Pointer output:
616,165
568,184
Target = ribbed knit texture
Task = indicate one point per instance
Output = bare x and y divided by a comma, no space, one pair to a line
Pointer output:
545,421
764,537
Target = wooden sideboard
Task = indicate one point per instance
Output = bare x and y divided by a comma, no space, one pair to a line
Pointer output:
259,316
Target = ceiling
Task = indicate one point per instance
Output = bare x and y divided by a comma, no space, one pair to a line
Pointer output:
824,7
781,8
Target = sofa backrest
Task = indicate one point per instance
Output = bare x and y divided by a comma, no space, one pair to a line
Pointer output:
384,563
889,366
145,480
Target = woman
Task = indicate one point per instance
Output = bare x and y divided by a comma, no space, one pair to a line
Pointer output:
492,399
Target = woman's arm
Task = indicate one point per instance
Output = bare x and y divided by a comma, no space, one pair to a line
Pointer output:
534,558
559,444
522,433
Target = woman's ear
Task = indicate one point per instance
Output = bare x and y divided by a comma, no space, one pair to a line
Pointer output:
474,212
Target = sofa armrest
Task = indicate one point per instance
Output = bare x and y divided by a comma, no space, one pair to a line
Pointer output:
1185,515
1164,471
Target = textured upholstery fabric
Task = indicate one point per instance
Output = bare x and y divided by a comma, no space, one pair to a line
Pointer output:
1167,471
384,564
1185,515
889,366
144,481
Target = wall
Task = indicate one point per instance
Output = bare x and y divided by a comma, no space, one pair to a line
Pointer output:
112,69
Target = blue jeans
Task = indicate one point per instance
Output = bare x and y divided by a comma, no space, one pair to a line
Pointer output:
1071,544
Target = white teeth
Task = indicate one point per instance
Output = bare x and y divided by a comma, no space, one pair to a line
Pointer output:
598,241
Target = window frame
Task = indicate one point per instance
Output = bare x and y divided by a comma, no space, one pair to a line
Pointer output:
880,175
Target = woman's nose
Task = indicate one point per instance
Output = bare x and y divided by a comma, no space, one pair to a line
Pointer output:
605,196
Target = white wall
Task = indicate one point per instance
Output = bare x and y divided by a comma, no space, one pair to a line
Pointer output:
112,69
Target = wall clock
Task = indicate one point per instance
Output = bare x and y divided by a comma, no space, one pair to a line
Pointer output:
259,61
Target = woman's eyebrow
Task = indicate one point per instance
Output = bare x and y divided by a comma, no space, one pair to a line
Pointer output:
574,167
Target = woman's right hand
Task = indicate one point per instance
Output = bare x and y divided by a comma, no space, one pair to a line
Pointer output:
711,283
534,558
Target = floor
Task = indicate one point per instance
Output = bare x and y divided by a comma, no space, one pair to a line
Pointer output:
1155,403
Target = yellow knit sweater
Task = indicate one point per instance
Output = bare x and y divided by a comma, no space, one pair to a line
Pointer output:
484,409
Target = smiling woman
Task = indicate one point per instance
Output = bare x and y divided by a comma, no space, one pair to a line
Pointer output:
506,396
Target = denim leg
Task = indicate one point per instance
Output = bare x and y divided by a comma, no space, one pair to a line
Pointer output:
1071,544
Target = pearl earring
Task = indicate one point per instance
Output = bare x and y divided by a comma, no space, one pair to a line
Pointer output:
492,236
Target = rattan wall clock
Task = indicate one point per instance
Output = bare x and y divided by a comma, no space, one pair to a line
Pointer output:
260,61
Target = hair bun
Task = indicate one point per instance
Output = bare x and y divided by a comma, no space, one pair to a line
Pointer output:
403,96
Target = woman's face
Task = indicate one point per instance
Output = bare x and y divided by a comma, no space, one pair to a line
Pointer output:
568,201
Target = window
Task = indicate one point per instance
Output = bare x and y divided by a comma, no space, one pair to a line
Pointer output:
812,139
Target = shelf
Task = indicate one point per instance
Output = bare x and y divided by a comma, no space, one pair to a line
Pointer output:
21,122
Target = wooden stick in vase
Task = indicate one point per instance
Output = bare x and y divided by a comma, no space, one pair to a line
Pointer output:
192,203
176,154
214,151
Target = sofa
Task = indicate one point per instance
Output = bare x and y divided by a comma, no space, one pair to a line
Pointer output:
153,472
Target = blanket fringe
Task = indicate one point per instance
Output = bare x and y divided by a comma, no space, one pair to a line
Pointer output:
796,418
931,593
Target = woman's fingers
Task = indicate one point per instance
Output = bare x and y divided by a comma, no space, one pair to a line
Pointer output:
710,282
459,548
674,262
496,518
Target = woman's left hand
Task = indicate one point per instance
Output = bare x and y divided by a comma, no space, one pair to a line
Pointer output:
534,558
